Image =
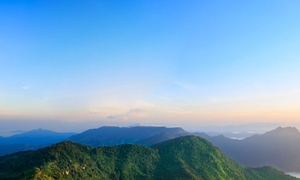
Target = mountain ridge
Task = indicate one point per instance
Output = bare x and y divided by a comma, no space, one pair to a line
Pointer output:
111,135
31,140
187,157
279,148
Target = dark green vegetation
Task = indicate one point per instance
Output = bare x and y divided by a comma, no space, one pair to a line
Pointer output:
30,140
192,157
186,157
279,148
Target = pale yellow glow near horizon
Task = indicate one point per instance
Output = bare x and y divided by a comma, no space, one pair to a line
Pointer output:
276,107
176,116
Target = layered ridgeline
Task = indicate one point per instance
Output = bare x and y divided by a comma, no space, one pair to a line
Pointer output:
107,135
188,157
30,140
113,135
279,148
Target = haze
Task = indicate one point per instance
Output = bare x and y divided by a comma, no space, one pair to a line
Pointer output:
175,63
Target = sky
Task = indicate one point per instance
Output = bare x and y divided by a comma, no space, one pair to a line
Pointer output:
175,63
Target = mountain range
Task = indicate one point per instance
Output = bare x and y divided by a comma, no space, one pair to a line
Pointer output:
279,148
30,140
113,135
187,157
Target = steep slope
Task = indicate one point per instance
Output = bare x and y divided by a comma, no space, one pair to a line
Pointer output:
187,157
110,135
279,148
192,157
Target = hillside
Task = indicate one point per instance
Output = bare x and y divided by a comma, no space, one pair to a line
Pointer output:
111,135
186,157
279,148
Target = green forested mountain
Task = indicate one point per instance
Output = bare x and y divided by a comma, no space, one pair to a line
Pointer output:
186,157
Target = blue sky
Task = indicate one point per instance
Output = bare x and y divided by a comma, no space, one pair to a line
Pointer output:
153,62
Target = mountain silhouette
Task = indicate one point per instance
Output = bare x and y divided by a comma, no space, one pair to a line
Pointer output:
187,157
31,140
111,135
279,148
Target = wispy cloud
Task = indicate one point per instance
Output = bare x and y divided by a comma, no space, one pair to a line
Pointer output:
132,113
135,111
25,87
185,86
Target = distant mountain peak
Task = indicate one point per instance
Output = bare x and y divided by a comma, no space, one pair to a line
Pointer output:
286,129
283,132
40,130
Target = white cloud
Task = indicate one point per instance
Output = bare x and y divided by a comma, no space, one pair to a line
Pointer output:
135,111
132,113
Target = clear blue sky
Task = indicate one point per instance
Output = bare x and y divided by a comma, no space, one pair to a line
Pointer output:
154,62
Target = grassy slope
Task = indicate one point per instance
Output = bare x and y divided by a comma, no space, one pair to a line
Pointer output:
182,158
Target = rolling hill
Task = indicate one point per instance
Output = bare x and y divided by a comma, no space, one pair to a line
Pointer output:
279,148
187,157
